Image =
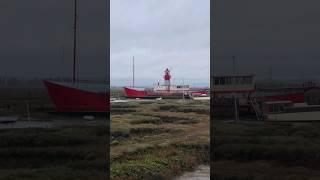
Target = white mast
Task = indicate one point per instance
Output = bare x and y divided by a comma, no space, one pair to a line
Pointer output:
133,71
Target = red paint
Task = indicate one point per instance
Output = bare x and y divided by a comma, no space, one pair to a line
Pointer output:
134,93
199,93
233,91
294,97
167,75
68,99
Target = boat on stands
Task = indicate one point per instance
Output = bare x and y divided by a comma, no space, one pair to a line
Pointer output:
165,90
78,95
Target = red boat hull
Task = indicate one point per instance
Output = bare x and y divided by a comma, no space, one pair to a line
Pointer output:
137,93
294,97
141,93
134,93
68,99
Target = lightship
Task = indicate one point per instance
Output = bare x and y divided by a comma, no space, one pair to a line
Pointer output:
165,90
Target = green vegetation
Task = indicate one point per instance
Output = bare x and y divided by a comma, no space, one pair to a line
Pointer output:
72,151
15,101
116,92
159,140
265,150
159,163
59,153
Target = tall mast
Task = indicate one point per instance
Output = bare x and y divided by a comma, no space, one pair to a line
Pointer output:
133,72
74,41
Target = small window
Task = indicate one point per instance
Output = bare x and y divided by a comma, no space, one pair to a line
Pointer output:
228,80
222,81
243,80
216,81
248,80
281,108
236,80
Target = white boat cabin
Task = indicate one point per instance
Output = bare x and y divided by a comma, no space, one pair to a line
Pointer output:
276,106
233,83
173,88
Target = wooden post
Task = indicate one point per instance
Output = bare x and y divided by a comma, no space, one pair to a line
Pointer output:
236,109
74,42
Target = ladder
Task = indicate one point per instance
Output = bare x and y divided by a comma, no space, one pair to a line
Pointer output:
256,108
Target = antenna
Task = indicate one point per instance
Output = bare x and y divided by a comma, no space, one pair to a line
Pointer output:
74,41
62,53
271,74
133,71
62,56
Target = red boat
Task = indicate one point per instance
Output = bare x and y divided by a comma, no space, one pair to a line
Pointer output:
295,95
244,85
78,96
132,92
167,90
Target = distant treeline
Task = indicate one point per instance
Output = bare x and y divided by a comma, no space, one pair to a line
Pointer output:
13,82
117,92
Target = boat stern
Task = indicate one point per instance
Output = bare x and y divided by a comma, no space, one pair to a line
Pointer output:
135,92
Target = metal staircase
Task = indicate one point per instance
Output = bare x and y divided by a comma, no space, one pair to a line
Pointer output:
256,108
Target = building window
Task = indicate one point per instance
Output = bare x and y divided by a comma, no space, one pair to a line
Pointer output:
228,80
222,81
216,81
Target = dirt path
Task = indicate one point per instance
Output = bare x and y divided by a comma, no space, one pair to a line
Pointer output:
202,173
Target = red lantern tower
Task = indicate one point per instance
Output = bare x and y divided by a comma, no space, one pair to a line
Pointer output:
167,78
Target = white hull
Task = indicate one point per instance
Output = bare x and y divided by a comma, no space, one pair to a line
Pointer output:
201,98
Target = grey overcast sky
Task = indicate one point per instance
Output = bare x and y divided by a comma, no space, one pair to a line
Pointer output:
282,34
160,34
34,34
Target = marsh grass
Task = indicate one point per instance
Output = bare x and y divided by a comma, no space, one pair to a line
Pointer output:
157,163
161,119
69,152
198,107
288,146
13,102
158,141
76,152
146,120
122,110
